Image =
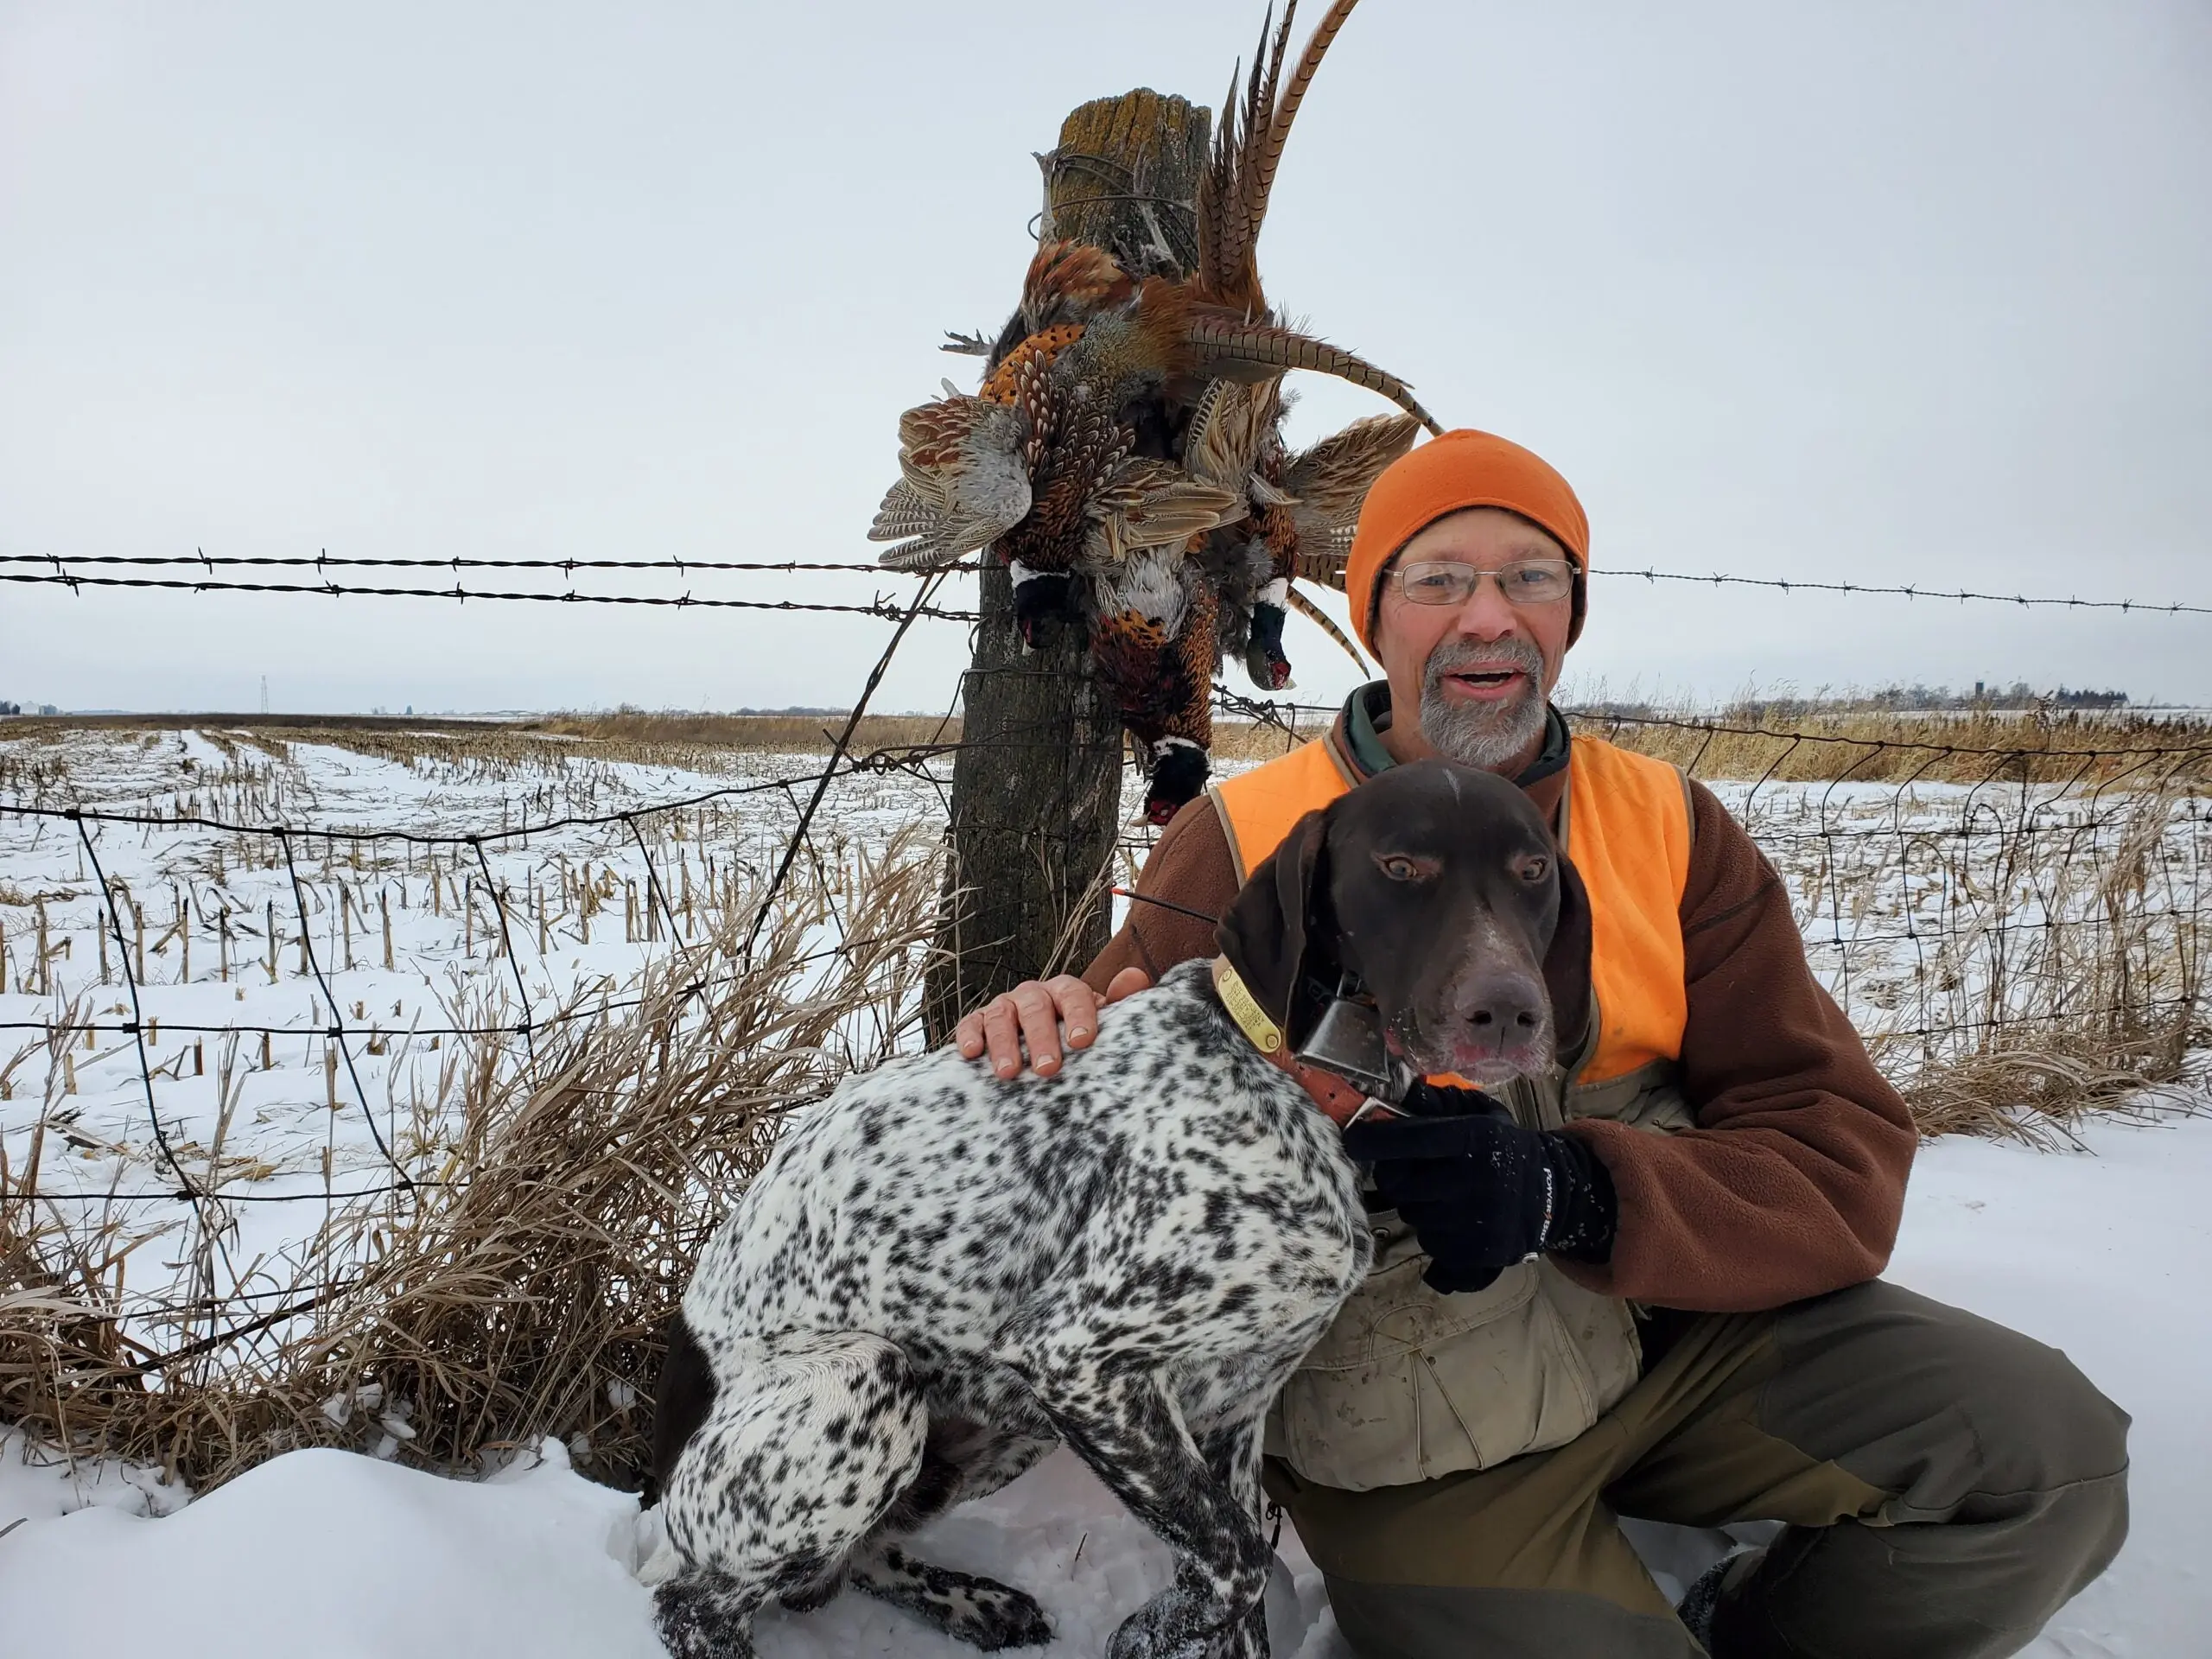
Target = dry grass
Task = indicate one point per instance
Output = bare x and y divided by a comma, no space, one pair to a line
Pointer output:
1800,744
520,1289
2069,978
779,733
1785,742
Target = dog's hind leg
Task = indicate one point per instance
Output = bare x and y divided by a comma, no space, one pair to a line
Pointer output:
1127,1427
811,1439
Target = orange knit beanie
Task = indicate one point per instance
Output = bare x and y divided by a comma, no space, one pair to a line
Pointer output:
1464,468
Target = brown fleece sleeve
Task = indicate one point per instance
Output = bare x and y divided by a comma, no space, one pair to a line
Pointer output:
1793,1182
1190,869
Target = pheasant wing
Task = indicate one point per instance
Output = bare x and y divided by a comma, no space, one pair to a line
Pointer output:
963,483
1330,479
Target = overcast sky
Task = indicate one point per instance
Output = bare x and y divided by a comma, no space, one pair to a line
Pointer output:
1898,292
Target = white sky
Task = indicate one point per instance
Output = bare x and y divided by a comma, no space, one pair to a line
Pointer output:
1906,292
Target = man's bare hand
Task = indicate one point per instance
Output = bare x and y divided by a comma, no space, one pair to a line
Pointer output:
1034,1013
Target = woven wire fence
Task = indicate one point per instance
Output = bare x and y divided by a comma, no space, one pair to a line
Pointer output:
2013,913
376,1087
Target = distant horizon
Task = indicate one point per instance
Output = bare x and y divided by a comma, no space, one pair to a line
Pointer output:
1892,696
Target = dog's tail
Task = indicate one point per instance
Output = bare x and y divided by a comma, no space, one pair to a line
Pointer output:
681,1403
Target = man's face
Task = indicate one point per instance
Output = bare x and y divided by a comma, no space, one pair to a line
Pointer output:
1477,674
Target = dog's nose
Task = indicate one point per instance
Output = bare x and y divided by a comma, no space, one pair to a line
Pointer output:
1505,1006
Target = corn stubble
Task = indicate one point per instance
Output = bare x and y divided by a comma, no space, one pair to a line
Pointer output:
519,1287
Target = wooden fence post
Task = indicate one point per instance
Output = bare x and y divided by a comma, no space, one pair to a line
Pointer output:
1037,782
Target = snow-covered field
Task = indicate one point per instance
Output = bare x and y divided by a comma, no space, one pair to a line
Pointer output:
2104,1253
322,1552
403,942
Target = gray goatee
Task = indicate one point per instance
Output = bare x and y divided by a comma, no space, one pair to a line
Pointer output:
1489,736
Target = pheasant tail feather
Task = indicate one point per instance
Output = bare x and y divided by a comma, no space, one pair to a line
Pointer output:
1251,350
1321,619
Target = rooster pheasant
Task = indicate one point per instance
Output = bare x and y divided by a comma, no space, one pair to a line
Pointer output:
1164,561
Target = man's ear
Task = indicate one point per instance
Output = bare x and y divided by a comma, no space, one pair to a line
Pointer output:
1269,932
1567,962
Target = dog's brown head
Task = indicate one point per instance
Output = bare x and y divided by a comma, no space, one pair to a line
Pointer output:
1440,890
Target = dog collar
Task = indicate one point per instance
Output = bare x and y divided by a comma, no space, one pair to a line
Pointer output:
1339,1101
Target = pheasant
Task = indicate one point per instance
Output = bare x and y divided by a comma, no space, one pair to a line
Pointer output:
1064,462
1152,637
1071,385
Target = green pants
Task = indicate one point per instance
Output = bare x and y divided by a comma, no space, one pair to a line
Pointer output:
1946,1484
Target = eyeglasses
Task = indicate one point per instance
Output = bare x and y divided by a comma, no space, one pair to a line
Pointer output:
1525,581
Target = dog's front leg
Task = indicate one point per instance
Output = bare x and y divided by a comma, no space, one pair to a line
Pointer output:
980,1612
1127,1428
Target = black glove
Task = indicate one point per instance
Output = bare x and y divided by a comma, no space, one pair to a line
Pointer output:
1480,1191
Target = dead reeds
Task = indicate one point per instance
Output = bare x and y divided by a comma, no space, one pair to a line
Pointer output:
2068,978
517,1284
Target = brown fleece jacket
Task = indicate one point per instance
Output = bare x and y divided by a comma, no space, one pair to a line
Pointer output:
1793,1182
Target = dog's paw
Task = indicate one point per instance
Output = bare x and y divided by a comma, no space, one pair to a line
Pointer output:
1175,1626
983,1612
980,1612
1002,1617
702,1616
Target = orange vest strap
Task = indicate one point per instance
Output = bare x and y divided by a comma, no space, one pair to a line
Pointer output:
1628,831
1258,808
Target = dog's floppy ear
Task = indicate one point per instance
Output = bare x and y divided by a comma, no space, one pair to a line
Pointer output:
1567,962
1269,933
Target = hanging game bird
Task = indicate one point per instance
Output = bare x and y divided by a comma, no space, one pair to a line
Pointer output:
1165,562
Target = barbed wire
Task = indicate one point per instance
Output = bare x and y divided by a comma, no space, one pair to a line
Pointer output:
2147,608
61,563
2000,752
414,838
883,609
60,566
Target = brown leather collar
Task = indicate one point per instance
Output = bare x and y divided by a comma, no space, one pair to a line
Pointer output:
1339,1101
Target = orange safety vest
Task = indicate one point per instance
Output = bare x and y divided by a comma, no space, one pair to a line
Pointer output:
1626,819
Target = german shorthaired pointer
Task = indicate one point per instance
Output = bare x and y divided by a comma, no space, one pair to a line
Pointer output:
940,1275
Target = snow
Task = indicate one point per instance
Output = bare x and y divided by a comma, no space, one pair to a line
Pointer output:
2108,1257
2103,1252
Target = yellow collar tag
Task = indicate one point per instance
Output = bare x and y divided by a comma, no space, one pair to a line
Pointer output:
1244,1009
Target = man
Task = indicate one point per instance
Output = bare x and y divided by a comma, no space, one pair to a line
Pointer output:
1651,1290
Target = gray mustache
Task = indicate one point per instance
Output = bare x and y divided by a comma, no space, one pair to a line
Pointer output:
1451,658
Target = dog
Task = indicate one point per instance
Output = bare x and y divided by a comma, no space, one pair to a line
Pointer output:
940,1275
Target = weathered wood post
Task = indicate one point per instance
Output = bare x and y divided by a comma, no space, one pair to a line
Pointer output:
1036,785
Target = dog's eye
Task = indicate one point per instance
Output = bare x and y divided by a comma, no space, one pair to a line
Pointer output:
1400,868
1534,869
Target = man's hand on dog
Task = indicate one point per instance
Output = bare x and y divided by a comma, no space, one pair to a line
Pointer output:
1480,1191
1040,1015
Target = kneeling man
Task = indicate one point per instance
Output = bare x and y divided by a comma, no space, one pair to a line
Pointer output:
1651,1289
